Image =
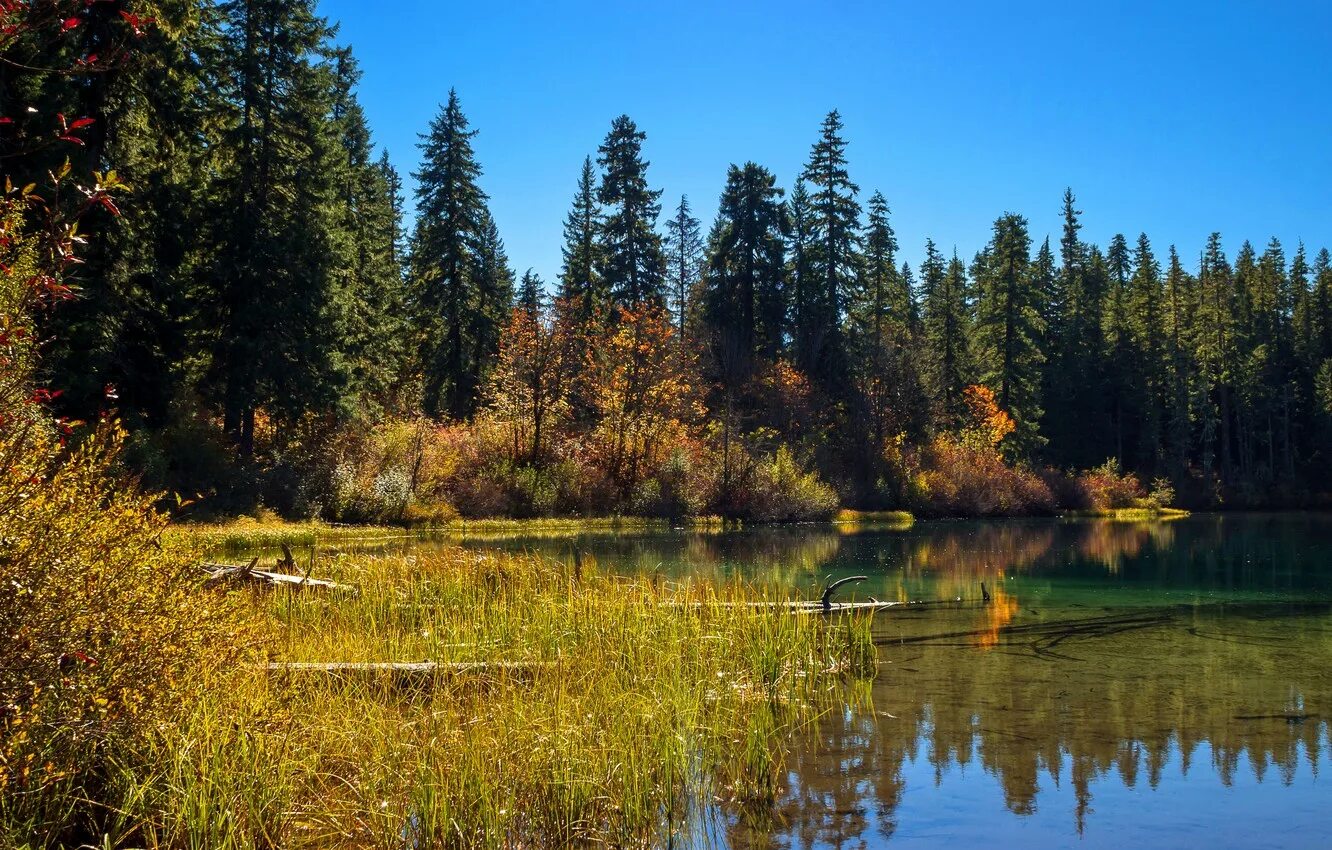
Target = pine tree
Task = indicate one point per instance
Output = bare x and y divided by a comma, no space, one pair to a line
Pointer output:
833,257
449,224
581,284
1009,329
684,260
633,264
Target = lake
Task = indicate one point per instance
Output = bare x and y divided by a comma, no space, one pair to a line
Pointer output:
1137,685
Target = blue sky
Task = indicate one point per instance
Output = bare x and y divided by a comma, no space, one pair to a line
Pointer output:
1171,117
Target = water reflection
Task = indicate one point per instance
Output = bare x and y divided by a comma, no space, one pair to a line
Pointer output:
1125,684
1192,702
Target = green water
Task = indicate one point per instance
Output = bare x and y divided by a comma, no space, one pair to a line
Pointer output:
1125,685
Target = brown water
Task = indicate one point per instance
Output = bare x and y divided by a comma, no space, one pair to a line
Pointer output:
1126,684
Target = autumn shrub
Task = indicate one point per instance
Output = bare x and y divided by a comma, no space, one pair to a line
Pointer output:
966,474
1109,487
781,491
104,627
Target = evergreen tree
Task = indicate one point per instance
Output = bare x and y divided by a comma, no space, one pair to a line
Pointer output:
492,301
529,296
1148,338
684,260
947,323
1009,329
633,264
376,333
275,301
1120,361
744,309
1180,300
449,228
881,301
581,284
1214,344
801,285
833,257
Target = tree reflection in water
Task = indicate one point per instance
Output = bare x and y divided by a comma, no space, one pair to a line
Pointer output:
1147,666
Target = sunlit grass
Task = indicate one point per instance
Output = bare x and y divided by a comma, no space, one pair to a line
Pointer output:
644,701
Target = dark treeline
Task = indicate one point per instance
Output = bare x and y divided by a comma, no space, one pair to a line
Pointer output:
261,291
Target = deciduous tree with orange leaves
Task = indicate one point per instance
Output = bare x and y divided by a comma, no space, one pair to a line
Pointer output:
642,392
529,389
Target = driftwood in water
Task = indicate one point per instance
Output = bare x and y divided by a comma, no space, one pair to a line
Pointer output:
824,605
250,574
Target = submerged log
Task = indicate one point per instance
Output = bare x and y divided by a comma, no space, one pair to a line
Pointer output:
409,674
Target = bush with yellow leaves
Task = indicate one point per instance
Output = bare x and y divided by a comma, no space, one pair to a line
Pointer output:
103,626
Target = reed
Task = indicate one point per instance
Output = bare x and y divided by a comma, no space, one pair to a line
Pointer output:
637,715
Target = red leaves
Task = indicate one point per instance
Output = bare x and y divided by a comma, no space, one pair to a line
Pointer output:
70,23
136,23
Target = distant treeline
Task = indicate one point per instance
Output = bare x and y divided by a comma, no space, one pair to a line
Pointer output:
260,289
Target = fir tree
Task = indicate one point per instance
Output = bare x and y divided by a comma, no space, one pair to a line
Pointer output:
744,309
1009,329
947,324
633,264
833,257
1148,340
684,260
275,306
450,213
581,284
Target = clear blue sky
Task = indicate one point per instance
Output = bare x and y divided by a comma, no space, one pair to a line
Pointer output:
1171,117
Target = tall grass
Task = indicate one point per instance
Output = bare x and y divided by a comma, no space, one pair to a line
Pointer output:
645,702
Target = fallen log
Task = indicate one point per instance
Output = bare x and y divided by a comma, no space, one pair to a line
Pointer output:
248,573
409,674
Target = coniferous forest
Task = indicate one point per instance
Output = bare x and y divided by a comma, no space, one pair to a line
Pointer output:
274,330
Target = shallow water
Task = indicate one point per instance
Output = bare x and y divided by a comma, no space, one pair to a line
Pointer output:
1125,685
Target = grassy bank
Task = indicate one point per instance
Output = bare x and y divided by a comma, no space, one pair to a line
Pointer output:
639,704
1142,514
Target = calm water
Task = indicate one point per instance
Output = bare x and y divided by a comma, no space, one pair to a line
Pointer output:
1127,685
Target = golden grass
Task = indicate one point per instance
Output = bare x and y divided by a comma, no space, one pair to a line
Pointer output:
644,709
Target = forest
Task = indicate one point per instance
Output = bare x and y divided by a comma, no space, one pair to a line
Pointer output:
276,331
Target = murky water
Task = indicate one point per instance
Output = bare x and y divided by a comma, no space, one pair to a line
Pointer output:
1125,685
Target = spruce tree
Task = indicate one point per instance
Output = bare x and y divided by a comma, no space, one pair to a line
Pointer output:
450,214
633,264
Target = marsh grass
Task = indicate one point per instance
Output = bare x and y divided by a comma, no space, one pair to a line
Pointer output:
644,713
249,534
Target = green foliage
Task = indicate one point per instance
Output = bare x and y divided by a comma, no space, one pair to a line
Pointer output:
633,264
